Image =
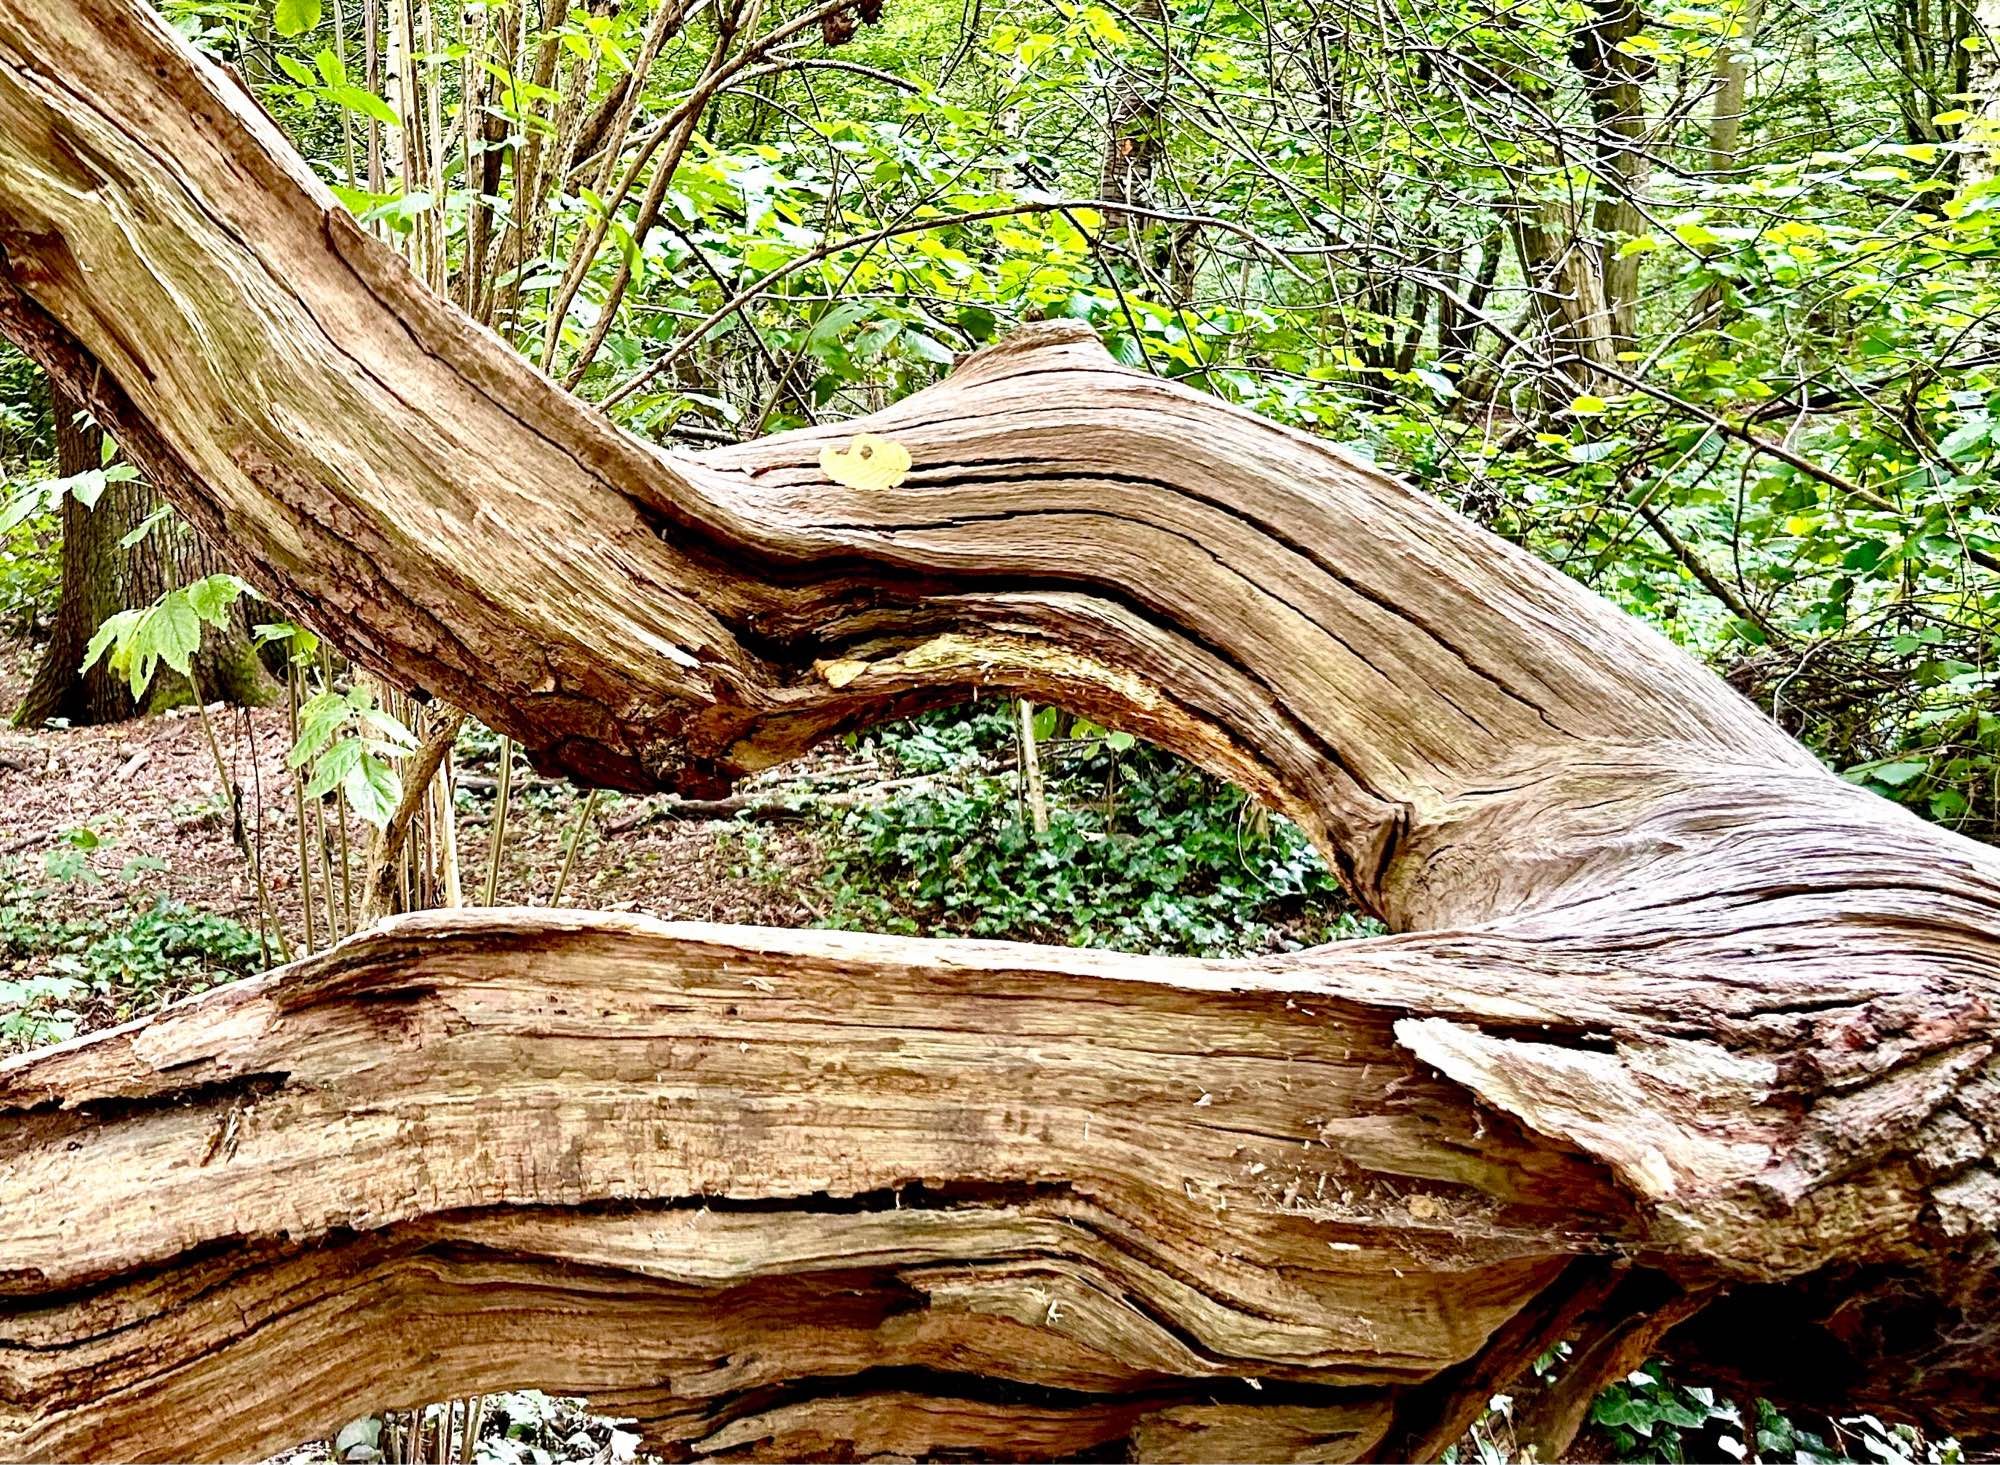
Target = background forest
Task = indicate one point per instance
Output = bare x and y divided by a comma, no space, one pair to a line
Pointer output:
1697,302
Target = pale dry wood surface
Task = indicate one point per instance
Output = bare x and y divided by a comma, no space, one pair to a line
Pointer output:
1681,1024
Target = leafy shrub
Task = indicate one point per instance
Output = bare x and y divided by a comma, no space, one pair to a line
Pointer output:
37,1011
164,952
118,966
1651,1417
30,575
1171,862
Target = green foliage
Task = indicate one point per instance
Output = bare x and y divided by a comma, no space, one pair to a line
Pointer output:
36,1011
30,539
1649,1416
68,861
351,744
104,964
326,82
1171,862
301,645
295,17
1789,469
45,495
30,574
167,632
162,952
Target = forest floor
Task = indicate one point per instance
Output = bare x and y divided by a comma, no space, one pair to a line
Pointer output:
98,825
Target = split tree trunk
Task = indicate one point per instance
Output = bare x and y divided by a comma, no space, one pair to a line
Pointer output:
1681,1025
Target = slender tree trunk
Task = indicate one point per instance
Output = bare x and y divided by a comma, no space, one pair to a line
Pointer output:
1133,143
1680,1037
1564,267
1732,81
1458,328
1982,162
1584,288
1615,80
1034,794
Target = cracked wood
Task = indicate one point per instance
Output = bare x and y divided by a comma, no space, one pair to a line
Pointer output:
1678,1022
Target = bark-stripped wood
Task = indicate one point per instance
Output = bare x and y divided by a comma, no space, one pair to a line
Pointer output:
1683,1021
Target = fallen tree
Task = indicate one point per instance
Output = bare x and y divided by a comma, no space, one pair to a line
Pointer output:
1682,1032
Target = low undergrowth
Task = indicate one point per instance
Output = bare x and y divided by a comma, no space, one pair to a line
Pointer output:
1142,852
61,974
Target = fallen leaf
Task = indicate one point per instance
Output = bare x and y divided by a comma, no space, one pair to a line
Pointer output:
870,462
838,674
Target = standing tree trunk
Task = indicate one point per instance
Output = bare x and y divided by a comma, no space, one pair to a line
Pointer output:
91,585
1615,80
1981,162
1564,268
101,577
1585,291
1732,84
1680,1038
1133,144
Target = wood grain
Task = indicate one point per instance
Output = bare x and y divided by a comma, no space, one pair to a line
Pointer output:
1676,1017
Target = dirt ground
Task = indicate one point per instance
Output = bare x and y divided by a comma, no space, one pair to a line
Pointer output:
146,792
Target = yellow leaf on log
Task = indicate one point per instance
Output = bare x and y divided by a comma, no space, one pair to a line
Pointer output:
870,462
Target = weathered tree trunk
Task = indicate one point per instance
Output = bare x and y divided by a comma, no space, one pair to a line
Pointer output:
101,576
1681,1026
